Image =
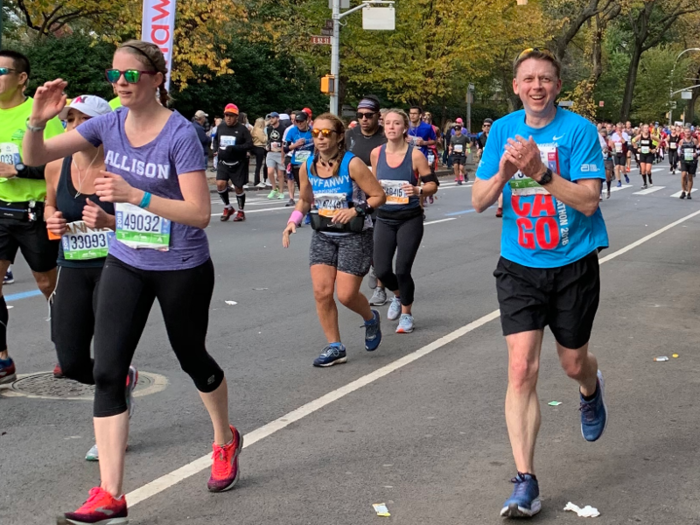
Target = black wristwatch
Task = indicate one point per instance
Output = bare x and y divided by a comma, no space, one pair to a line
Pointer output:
546,178
363,209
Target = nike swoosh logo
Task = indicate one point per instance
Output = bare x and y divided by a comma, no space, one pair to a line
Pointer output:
555,138
104,511
185,259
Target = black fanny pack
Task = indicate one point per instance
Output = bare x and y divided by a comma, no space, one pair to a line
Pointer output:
22,211
399,215
321,223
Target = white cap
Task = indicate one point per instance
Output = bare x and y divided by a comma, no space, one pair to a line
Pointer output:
200,114
90,105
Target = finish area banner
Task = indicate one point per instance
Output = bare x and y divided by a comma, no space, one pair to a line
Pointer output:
158,27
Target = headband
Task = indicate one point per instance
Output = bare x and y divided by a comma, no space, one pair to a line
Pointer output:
144,54
368,103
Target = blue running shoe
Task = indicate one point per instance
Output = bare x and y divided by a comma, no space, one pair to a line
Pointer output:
627,179
333,354
373,332
619,184
525,500
594,413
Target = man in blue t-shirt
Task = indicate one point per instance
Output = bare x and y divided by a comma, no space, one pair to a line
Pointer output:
301,145
547,162
421,134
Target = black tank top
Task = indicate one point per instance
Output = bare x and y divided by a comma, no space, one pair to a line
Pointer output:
71,205
401,174
689,147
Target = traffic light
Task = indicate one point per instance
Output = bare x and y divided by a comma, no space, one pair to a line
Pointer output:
328,84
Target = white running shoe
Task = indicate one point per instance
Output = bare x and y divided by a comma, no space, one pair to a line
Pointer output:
394,309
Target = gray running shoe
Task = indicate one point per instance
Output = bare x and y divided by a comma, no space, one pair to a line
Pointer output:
378,297
372,281
406,324
394,309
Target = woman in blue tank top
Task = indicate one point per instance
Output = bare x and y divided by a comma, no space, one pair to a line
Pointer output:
344,192
85,226
399,229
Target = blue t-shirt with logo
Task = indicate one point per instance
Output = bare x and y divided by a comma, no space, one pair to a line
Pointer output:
423,131
538,230
300,155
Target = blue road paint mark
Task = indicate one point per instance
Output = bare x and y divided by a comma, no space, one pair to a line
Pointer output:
460,212
22,295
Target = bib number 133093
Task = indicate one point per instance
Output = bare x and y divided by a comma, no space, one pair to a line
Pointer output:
138,228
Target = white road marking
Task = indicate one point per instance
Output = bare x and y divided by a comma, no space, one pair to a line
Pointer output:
677,195
623,187
649,190
439,220
168,480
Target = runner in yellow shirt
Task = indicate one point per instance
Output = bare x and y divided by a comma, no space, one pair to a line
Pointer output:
22,193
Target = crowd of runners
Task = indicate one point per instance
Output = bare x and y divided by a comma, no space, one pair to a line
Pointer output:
109,208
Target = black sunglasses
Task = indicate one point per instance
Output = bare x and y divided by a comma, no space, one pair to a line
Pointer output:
369,115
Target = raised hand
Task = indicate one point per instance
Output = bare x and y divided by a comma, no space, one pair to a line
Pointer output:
49,100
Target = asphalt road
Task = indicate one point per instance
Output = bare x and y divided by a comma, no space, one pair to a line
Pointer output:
419,423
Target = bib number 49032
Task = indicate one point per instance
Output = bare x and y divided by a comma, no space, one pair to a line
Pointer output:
139,228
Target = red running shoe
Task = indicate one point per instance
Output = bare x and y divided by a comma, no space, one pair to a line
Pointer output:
499,212
240,216
227,213
101,508
8,373
57,372
224,470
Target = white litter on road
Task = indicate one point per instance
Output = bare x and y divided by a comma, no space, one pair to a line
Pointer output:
231,303
585,512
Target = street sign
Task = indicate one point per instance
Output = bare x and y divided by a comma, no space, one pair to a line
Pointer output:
328,24
327,32
321,40
379,18
601,103
687,95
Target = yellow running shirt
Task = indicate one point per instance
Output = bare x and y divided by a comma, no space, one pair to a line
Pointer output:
12,129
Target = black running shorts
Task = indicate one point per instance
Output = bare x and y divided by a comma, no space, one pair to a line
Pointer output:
689,167
647,158
236,174
565,298
31,238
620,159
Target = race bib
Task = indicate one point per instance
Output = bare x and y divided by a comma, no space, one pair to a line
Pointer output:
276,146
645,150
329,204
395,194
689,155
414,139
618,147
302,155
9,153
458,148
226,141
431,158
81,243
139,228
521,185
672,145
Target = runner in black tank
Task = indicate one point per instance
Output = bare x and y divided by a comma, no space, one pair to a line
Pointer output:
688,149
673,139
85,226
399,228
646,146
361,141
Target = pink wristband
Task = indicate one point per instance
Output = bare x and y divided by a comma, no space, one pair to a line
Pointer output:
296,217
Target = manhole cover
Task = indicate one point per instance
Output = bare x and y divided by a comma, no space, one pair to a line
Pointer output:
45,386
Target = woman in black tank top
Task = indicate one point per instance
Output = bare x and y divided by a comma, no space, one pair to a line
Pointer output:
85,226
646,146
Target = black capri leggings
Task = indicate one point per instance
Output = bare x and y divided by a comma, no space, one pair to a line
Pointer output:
259,153
123,305
673,158
73,320
403,239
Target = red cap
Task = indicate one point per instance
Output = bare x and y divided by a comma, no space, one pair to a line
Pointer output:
459,121
308,112
231,108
